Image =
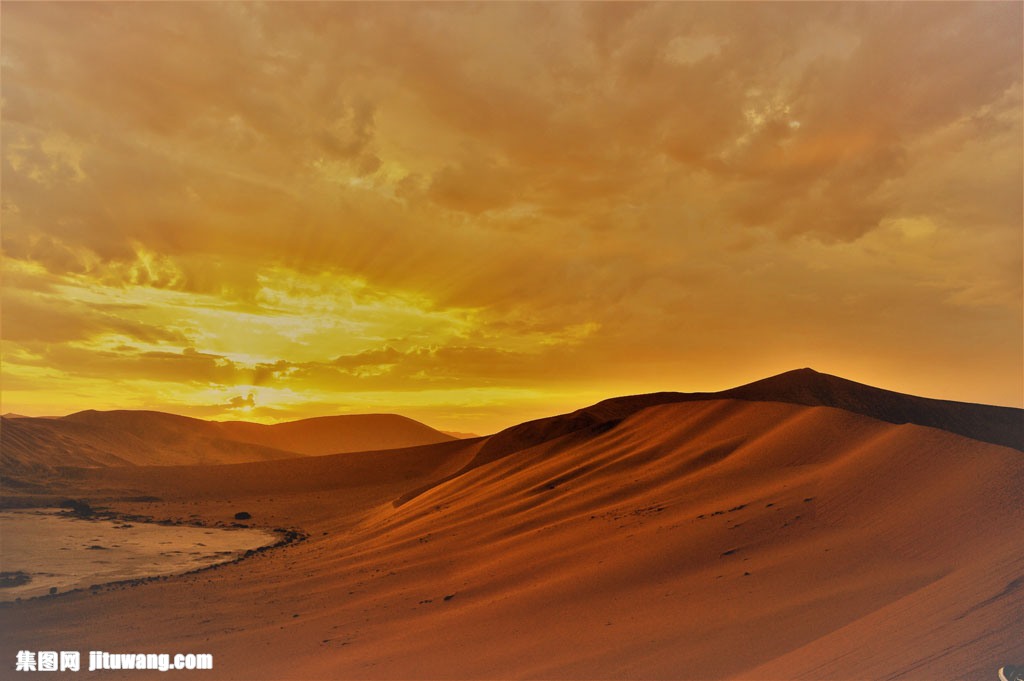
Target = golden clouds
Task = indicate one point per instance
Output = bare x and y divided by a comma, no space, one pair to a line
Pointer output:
294,339
208,201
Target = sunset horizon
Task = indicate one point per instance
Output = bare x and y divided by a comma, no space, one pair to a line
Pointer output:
240,415
479,215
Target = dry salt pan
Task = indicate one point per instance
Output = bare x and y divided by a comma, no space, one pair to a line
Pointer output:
46,551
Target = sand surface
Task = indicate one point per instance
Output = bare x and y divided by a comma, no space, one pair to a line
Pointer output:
718,539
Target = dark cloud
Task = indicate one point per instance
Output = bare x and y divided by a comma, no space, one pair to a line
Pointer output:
239,402
29,317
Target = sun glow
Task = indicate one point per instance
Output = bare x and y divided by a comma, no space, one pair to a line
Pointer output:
296,210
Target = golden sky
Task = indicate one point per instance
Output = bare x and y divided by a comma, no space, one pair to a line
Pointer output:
478,214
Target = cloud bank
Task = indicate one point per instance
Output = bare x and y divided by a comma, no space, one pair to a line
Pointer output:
476,214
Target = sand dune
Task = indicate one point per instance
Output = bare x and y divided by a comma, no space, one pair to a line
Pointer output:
120,438
333,434
34,447
691,539
997,425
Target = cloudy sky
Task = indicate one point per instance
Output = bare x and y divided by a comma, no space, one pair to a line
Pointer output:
478,214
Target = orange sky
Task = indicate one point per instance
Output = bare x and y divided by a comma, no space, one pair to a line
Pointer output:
479,214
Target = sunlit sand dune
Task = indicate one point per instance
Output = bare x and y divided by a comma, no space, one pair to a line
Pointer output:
645,538
118,438
331,434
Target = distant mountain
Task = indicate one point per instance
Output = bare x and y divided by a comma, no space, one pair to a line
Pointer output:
119,438
334,434
126,438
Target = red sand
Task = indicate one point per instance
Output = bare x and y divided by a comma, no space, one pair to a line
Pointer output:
699,540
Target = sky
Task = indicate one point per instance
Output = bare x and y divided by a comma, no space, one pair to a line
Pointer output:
478,214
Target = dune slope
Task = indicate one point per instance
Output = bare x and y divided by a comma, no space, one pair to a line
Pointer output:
704,539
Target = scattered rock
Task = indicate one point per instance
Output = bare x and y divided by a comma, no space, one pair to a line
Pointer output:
242,515
16,578
78,508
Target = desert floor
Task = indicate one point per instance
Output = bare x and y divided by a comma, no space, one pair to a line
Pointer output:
716,539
